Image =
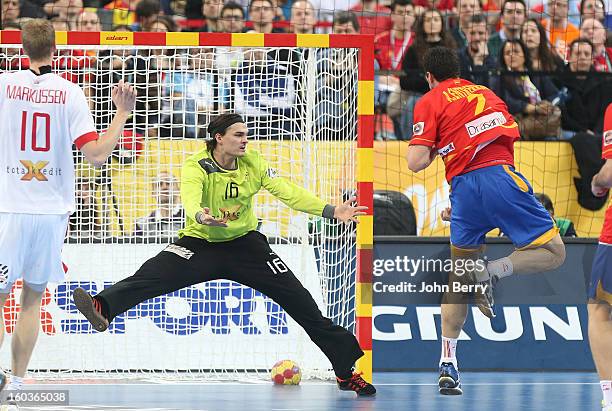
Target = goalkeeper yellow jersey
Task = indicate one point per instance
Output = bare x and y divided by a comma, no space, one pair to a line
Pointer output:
229,193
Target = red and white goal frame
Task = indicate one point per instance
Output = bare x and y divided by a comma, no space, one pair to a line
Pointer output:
364,158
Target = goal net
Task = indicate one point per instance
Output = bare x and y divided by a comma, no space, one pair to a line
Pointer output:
301,107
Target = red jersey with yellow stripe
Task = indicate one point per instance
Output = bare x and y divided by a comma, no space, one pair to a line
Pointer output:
606,232
467,124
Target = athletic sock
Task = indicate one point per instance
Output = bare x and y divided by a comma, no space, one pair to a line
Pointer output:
15,383
606,389
501,268
449,348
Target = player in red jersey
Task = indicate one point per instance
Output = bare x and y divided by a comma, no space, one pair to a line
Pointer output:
471,129
600,290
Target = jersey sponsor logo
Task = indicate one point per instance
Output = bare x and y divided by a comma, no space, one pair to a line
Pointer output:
180,251
446,149
31,170
418,128
273,173
485,123
231,213
607,138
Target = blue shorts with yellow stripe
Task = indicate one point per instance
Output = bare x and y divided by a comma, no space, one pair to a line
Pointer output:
600,287
497,197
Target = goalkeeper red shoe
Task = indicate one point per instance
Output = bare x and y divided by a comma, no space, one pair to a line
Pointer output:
357,384
91,309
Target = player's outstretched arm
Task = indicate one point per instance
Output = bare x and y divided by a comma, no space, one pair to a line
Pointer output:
347,212
602,181
97,151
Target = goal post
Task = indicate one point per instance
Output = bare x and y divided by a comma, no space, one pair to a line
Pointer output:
308,100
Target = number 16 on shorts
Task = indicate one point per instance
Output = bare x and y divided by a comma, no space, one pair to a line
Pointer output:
276,265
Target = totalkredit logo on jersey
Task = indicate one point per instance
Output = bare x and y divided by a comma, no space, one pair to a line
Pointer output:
34,170
485,123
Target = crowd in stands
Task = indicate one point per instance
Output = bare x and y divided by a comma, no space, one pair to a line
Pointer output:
550,60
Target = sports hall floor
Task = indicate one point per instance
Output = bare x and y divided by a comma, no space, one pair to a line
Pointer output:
494,391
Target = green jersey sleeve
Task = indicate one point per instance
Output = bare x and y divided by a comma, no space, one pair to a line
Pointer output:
193,185
294,196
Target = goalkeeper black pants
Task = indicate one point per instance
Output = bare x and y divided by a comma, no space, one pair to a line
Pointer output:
247,260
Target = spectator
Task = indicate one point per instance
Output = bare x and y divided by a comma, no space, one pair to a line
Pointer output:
169,216
232,18
176,8
303,18
541,56
20,9
10,11
593,9
475,61
146,11
588,94
162,24
429,33
467,9
390,48
123,12
85,221
336,85
231,21
559,30
261,13
513,14
13,58
88,21
566,227
528,98
592,29
211,10
60,24
373,17
283,9
193,9
64,10
345,22
326,9
442,5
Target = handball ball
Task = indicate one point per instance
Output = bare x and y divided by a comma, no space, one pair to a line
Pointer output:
286,372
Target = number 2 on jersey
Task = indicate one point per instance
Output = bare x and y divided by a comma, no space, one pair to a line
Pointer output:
47,129
480,102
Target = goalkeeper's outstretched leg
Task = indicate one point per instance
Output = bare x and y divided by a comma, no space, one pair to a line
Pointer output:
258,267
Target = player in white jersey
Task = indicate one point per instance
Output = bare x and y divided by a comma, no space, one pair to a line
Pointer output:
42,115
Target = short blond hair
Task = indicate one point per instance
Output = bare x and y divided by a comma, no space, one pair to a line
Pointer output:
38,39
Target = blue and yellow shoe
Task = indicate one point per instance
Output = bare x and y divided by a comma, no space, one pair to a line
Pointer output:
449,382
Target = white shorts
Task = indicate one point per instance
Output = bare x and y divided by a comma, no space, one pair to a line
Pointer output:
31,248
